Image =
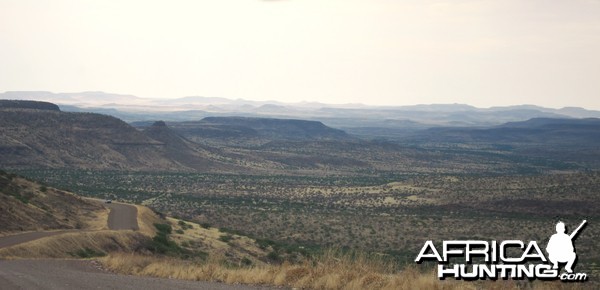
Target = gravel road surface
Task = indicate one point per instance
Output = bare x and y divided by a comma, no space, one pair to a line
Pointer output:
121,217
85,274
78,274
26,237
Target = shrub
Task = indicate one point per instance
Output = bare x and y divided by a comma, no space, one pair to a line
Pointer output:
23,199
161,244
184,225
246,261
226,238
274,256
163,229
264,243
88,253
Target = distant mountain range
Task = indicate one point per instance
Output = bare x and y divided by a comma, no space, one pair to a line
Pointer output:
38,135
352,118
534,131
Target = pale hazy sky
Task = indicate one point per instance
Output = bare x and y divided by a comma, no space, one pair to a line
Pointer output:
382,52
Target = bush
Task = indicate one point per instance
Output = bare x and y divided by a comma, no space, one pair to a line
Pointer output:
246,262
184,225
23,199
274,256
161,244
163,229
88,253
226,238
265,243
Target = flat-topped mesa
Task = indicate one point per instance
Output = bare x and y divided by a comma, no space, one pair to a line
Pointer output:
270,127
21,104
159,124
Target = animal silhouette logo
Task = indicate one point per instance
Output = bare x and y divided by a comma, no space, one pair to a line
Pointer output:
560,247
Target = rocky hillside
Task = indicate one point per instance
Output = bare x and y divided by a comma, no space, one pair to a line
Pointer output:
38,135
29,206
182,151
54,139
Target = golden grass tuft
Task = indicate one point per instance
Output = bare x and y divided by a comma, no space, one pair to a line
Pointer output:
96,220
325,273
67,244
146,219
332,270
194,237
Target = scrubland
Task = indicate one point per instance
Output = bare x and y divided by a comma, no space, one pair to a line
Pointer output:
326,234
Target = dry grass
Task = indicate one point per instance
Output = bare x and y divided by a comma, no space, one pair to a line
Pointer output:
208,240
29,206
97,238
330,271
96,221
68,244
146,219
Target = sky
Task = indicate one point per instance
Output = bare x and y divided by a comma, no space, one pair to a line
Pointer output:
376,52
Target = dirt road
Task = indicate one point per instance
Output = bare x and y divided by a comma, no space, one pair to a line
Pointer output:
121,217
86,274
78,274
26,237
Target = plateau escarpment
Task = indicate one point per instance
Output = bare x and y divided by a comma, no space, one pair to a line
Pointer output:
54,139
